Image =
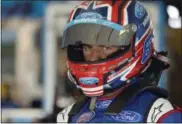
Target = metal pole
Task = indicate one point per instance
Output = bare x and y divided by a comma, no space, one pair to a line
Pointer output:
49,62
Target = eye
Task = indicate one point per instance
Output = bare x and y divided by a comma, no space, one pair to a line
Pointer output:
107,48
124,47
87,48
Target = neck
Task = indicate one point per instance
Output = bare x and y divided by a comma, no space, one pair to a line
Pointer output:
113,94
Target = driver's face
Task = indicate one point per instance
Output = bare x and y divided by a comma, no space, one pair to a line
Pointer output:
96,52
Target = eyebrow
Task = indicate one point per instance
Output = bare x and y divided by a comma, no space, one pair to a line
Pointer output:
87,45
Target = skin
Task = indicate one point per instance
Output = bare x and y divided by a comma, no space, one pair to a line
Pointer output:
97,52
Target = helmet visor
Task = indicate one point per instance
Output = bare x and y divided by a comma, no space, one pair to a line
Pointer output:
97,32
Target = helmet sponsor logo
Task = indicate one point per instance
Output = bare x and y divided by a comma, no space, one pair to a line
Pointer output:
146,20
139,10
103,104
87,17
85,20
85,117
90,15
127,116
146,49
89,80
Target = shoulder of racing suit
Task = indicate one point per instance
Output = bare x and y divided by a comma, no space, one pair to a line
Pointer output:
63,117
163,111
159,110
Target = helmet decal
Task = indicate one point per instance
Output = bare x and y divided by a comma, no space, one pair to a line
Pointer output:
89,15
139,39
128,70
139,10
89,80
87,7
147,48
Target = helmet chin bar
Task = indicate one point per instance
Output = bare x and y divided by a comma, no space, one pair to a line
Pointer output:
88,73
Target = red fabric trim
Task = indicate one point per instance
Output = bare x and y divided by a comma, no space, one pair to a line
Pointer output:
178,108
167,114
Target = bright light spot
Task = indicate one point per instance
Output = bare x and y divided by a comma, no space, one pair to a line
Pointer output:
175,23
173,12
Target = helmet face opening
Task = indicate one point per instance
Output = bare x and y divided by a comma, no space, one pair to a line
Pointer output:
75,54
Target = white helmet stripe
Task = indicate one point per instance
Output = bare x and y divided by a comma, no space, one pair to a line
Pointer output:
126,14
123,78
92,89
71,77
127,70
92,93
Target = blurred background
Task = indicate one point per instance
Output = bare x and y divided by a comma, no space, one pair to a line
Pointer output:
34,86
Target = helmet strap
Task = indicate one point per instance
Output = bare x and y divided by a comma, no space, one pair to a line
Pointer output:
92,103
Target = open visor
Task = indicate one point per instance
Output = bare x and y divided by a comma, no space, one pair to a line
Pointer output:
97,32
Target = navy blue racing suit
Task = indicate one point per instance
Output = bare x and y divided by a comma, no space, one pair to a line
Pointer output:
136,104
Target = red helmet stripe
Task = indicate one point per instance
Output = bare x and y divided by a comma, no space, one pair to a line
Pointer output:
115,11
71,15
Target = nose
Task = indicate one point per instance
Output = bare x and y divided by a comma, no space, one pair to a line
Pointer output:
95,55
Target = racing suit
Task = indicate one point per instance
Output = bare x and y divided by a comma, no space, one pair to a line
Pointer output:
138,103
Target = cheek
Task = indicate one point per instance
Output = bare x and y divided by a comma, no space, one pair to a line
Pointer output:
87,55
103,55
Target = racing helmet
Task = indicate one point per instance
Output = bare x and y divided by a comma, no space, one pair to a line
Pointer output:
123,23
